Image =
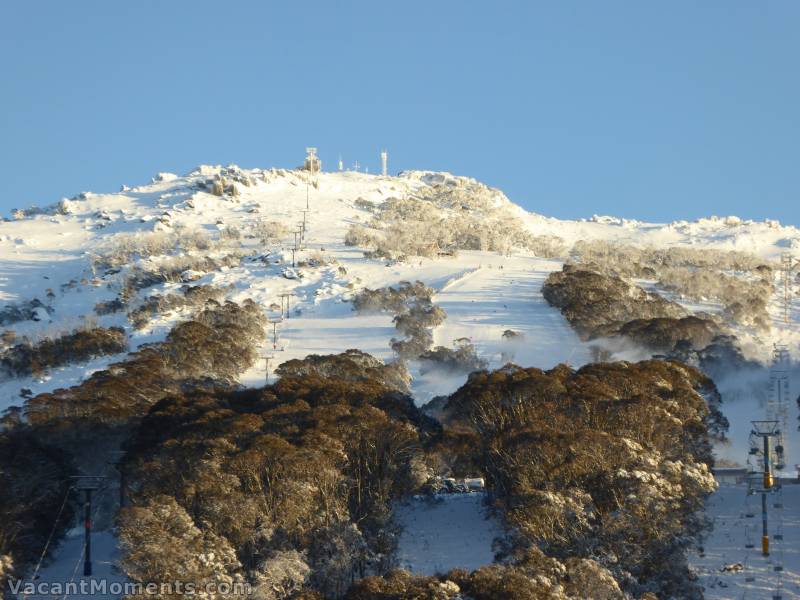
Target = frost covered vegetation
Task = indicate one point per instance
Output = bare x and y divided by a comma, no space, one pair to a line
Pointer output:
218,343
174,269
598,494
598,473
461,359
156,257
194,296
82,424
296,479
415,315
126,248
742,282
601,305
456,214
27,358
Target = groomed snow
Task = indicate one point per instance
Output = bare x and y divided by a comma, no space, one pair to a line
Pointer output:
733,530
446,532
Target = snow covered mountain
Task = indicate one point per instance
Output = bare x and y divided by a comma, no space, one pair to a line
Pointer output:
303,249
52,274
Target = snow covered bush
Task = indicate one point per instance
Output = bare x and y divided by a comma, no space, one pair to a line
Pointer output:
230,233
33,310
108,307
391,299
125,248
268,232
280,576
446,219
172,269
192,297
464,359
358,235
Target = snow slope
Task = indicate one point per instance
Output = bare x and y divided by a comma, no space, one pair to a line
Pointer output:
445,532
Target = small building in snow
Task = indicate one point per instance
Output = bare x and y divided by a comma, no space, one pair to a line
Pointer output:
730,475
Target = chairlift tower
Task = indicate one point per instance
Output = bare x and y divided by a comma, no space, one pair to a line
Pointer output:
778,402
87,484
287,297
763,483
267,358
787,270
274,323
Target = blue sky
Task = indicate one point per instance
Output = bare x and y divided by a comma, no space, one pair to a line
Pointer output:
656,111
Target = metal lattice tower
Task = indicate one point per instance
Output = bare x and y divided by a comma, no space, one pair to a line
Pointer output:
778,401
787,270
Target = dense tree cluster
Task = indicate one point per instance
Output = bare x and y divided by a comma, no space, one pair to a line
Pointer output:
597,304
533,576
34,480
27,358
86,422
745,300
603,305
609,463
291,485
742,282
219,342
351,365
